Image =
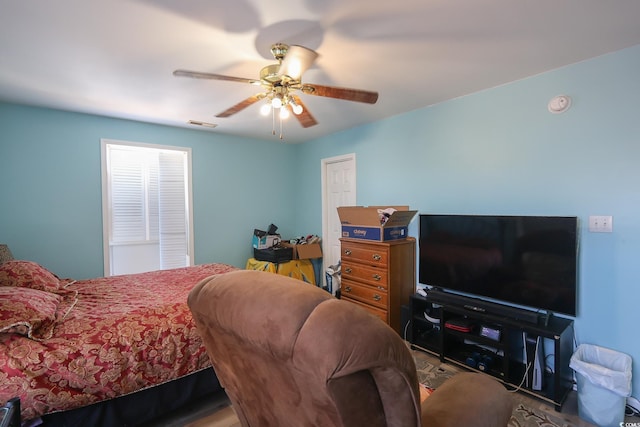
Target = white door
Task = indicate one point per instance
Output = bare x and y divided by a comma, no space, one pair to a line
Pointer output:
338,189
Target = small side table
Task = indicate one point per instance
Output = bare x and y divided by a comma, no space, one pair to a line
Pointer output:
10,413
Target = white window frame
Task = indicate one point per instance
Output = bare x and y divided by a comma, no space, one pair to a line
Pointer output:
106,202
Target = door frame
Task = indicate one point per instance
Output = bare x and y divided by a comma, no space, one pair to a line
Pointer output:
351,157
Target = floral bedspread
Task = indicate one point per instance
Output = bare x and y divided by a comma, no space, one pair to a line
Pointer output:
120,334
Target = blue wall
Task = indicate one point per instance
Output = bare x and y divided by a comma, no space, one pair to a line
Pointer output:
501,152
51,205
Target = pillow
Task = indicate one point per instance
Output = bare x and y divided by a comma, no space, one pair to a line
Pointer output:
28,312
28,274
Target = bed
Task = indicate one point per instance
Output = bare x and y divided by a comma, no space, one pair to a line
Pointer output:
104,351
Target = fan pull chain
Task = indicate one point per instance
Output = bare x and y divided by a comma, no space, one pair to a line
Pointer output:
273,121
281,126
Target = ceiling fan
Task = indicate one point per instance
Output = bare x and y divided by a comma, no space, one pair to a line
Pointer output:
280,83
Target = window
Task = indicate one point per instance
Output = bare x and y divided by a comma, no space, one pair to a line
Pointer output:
146,196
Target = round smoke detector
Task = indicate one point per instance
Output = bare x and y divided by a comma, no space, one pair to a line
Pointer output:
559,104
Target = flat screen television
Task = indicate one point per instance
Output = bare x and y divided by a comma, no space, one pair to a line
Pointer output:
528,261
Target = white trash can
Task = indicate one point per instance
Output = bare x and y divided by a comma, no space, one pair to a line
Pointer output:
604,383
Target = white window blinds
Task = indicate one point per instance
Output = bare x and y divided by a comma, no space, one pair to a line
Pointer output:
147,220
133,177
171,210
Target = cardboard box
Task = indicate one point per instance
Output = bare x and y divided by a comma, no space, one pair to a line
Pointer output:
266,241
306,251
362,222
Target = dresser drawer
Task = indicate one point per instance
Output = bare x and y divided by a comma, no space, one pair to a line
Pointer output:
364,254
364,293
382,314
374,276
379,276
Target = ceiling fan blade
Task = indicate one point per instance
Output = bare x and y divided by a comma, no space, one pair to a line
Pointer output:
356,95
211,76
297,60
241,105
305,118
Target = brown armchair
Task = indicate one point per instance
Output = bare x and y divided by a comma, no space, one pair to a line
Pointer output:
290,354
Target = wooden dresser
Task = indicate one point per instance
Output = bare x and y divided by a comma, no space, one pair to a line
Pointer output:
379,276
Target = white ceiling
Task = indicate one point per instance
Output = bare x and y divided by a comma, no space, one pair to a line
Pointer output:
116,57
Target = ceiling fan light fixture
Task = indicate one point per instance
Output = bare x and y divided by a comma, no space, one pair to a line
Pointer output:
265,109
276,102
297,60
284,113
295,107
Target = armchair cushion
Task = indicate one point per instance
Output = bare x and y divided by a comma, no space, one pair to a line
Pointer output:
468,399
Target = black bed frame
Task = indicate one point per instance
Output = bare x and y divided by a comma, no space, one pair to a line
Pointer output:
141,407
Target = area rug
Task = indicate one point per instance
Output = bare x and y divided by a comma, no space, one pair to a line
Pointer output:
524,414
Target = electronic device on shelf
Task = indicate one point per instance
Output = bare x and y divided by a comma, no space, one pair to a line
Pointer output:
523,261
493,350
491,332
460,325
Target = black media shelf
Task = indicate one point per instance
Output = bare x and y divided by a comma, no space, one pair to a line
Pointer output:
502,354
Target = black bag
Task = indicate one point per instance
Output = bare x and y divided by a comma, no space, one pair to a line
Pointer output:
274,254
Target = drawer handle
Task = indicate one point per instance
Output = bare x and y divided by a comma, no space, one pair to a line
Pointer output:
347,251
377,257
347,289
376,297
377,277
348,270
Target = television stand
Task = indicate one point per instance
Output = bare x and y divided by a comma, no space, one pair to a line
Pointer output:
496,340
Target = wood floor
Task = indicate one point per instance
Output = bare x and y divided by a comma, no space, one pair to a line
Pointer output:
225,417
217,412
